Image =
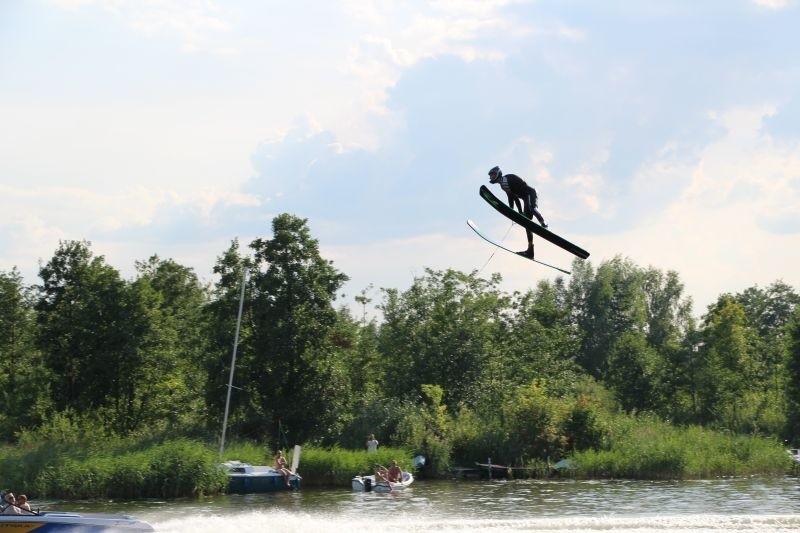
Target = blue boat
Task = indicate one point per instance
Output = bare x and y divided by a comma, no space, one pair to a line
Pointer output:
244,478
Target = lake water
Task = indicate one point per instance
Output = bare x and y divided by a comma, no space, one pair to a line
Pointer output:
763,505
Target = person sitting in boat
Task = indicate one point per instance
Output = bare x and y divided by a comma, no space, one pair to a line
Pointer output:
11,504
395,473
381,474
280,466
22,503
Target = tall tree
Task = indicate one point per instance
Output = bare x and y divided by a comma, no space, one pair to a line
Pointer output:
767,312
634,373
444,330
91,331
670,333
294,370
80,313
543,340
605,306
175,339
792,429
221,316
22,375
729,368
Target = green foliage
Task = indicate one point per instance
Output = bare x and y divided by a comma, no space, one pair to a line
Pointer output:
113,469
791,431
426,430
23,376
647,448
294,345
444,330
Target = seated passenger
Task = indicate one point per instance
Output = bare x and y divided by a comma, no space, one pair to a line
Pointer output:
381,474
280,466
11,504
395,474
22,503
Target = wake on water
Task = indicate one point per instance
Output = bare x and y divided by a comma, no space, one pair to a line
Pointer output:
282,521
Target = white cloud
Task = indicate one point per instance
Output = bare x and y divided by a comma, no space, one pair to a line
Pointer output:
714,234
196,24
773,4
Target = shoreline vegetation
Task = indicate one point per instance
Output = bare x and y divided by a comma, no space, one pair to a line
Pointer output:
116,388
117,469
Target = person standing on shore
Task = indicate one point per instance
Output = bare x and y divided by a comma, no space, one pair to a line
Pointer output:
372,443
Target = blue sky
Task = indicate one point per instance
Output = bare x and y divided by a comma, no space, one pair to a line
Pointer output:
665,132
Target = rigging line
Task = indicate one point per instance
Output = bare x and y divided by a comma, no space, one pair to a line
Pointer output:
493,251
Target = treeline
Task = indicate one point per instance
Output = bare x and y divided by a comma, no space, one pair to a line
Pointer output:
456,369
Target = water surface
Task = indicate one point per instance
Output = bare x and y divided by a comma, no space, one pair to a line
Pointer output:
762,505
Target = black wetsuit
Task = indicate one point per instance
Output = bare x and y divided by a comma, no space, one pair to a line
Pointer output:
517,190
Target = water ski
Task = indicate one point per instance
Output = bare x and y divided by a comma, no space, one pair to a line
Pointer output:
529,224
487,239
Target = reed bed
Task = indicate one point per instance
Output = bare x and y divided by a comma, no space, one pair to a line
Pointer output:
653,449
167,470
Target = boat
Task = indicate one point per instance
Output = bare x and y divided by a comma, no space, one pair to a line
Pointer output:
47,521
795,453
244,478
368,483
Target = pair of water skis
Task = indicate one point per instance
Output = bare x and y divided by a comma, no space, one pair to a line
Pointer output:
528,224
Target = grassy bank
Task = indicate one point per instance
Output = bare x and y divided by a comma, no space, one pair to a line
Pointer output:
96,468
171,469
652,449
126,471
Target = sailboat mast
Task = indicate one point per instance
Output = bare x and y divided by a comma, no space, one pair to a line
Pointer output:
233,364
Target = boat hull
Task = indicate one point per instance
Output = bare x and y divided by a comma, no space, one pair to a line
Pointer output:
244,478
253,483
368,484
53,521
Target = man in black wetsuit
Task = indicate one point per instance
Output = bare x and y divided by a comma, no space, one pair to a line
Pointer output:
517,190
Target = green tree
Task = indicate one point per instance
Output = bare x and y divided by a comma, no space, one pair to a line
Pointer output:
174,341
605,306
22,374
444,330
81,325
729,369
767,312
220,315
542,340
92,332
293,357
792,429
634,373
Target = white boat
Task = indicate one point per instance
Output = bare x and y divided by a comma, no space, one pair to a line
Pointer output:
368,483
47,521
795,453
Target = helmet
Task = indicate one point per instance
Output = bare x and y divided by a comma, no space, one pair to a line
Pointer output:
494,174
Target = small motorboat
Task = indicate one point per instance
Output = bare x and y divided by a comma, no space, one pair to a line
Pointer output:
47,521
368,483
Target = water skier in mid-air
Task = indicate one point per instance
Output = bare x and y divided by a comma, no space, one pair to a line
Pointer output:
521,195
